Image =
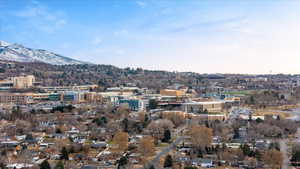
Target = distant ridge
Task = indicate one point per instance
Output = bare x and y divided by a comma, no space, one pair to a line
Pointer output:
19,53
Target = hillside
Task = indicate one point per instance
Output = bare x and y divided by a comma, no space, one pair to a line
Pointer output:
19,53
104,75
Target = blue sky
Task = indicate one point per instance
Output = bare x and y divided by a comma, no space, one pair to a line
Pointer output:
205,36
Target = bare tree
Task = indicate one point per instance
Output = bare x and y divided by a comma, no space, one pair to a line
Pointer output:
273,159
201,136
121,141
146,146
158,127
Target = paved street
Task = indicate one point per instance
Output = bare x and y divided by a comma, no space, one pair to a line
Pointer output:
284,150
166,150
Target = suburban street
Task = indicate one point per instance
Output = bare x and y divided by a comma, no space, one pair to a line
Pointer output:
166,150
284,150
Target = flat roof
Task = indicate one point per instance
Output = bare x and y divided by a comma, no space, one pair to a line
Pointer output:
204,103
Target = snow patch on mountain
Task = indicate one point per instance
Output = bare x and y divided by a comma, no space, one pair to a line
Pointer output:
19,53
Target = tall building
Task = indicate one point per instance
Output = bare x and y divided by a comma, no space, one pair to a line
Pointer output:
18,82
23,81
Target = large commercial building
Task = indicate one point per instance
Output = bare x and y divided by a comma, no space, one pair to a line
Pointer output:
69,88
77,96
23,81
16,98
70,97
19,82
201,107
134,104
170,92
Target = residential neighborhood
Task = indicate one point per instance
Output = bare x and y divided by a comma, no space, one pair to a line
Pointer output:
149,84
131,127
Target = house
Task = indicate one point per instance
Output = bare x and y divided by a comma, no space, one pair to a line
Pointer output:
73,131
262,144
9,144
89,167
207,163
58,136
19,165
99,144
202,162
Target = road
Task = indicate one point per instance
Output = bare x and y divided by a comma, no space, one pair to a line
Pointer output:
166,150
284,151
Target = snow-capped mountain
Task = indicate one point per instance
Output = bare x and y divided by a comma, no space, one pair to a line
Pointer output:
19,53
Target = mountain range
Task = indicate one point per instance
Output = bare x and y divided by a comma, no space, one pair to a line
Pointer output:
20,53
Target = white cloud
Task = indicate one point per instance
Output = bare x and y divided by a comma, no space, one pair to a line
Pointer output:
97,41
30,12
142,4
122,32
120,52
65,45
38,16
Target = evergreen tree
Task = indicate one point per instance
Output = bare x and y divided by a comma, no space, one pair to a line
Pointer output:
122,162
58,131
258,155
45,165
217,148
146,121
167,136
152,104
236,134
252,100
190,167
274,145
152,167
224,147
246,149
168,161
125,124
259,120
64,154
104,119
59,165
2,166
295,158
199,153
100,121
278,117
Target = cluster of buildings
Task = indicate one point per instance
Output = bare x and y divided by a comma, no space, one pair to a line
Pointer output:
80,130
177,97
71,94
66,95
